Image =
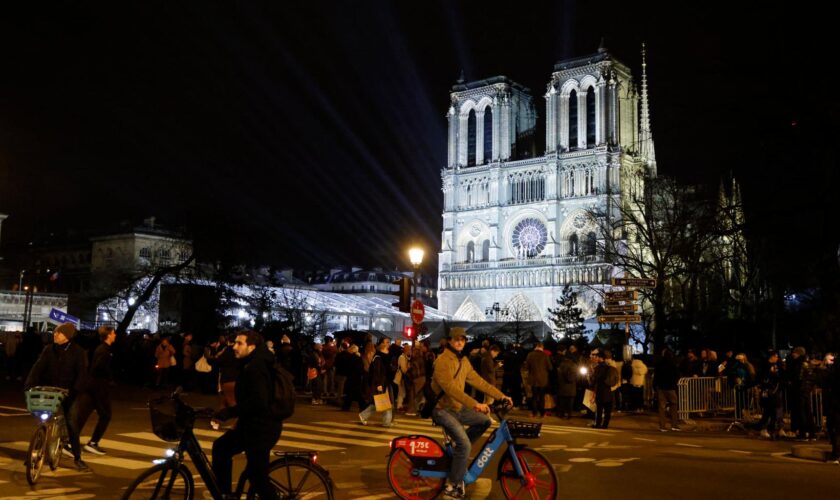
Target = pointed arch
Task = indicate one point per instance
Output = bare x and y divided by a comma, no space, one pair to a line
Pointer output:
468,311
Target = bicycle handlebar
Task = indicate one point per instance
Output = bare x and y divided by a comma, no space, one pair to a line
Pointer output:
501,408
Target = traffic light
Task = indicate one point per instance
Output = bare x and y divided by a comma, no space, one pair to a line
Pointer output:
409,332
404,294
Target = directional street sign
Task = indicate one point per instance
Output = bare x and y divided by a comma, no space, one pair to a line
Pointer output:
619,318
637,282
627,308
617,296
59,316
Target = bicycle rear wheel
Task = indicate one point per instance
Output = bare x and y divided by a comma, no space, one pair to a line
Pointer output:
36,454
296,478
165,481
540,481
406,485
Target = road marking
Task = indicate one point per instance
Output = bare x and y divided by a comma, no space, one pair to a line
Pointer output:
354,442
123,463
341,432
580,429
283,443
741,451
643,439
110,444
688,445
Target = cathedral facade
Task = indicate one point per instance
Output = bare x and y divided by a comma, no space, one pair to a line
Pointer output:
519,227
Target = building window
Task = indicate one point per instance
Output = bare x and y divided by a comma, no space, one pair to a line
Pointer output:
591,244
573,120
146,252
488,134
485,251
590,117
573,244
470,252
372,289
471,138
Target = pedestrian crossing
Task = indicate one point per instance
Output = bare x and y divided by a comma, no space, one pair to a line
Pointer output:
136,450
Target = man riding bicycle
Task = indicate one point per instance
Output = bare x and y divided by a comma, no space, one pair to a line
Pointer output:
456,409
64,364
256,430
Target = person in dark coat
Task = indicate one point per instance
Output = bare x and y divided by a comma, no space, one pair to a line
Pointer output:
378,382
538,365
770,383
97,391
567,375
64,364
831,386
512,377
603,390
256,431
227,363
488,369
353,382
665,378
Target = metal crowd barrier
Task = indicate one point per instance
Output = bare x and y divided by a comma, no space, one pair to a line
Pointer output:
704,395
714,395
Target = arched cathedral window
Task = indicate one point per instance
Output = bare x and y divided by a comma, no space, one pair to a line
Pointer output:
591,246
488,134
590,117
471,131
573,120
485,251
573,244
470,252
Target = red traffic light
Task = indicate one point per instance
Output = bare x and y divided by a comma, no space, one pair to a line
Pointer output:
409,332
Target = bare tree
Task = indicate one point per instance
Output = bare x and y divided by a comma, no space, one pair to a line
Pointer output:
664,232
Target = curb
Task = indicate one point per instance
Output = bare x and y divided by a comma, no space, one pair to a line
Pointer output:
818,452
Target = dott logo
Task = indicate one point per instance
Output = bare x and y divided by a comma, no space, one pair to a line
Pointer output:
485,456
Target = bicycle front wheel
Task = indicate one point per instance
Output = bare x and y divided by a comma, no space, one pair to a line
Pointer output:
539,479
57,435
296,478
406,485
36,454
164,481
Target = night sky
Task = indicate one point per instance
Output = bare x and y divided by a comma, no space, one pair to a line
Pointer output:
314,134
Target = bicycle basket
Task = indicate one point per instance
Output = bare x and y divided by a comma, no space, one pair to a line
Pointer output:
526,430
169,418
40,400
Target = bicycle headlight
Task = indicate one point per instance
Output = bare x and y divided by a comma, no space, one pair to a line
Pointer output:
169,453
44,416
159,461
583,370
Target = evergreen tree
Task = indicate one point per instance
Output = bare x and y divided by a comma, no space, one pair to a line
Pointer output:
567,317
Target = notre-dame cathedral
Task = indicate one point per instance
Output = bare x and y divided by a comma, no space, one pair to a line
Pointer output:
518,227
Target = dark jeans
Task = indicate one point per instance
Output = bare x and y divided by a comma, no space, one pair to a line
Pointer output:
772,413
71,417
454,422
564,406
538,400
232,443
832,424
602,414
100,400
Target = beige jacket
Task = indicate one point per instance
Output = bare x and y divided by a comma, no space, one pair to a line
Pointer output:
446,365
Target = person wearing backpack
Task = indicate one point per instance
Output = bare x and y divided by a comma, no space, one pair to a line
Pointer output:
257,429
604,377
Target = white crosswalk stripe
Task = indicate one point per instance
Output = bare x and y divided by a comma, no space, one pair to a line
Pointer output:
136,450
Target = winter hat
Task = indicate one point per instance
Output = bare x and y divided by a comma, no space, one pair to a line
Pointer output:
457,331
799,350
68,329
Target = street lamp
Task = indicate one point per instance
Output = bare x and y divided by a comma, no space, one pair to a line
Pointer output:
415,256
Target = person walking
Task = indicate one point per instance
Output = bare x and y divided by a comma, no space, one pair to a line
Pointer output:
603,378
666,376
353,383
378,383
97,391
637,384
538,366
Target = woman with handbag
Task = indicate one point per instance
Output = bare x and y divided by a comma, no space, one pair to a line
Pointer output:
377,392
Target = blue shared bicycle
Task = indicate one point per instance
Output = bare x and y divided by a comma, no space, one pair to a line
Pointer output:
418,465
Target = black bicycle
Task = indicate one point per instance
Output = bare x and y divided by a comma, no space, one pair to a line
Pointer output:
45,404
294,474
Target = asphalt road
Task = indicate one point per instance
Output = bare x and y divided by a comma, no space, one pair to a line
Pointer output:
630,460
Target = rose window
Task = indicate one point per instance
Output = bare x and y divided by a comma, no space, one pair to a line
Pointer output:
529,238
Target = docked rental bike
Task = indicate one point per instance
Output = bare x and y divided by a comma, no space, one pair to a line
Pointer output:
44,403
418,465
294,475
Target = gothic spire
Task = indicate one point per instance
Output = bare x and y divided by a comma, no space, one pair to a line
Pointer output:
646,149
